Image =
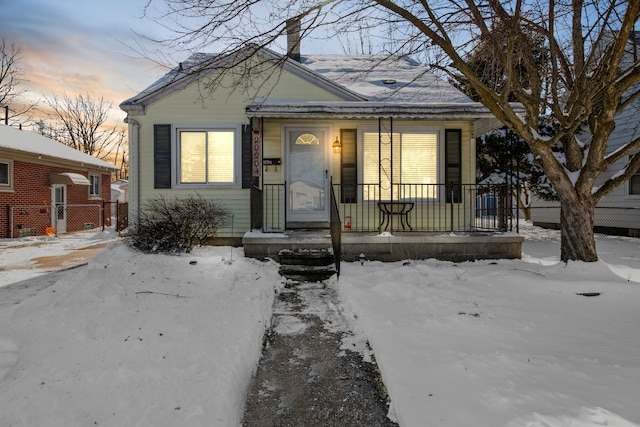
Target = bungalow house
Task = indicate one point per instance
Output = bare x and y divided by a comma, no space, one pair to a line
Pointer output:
374,151
47,187
619,212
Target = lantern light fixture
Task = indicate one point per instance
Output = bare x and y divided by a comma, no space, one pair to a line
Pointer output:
337,146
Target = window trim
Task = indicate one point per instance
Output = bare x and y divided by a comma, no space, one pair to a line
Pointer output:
236,128
439,131
9,185
91,185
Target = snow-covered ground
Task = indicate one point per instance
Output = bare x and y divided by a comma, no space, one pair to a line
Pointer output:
153,340
28,257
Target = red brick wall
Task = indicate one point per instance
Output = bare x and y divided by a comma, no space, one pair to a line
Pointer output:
31,188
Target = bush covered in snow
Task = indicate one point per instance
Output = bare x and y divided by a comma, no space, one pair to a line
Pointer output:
171,224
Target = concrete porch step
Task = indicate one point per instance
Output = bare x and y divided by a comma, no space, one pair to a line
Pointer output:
306,256
306,265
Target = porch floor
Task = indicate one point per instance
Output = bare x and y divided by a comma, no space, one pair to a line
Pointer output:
455,247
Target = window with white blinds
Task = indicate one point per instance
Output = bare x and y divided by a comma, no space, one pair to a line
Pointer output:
398,161
206,157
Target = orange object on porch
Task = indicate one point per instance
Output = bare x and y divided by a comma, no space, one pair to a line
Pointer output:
51,231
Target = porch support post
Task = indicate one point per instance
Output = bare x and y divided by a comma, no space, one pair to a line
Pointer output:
391,165
389,130
256,194
379,171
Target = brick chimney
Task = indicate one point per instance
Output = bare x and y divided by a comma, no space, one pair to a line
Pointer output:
293,39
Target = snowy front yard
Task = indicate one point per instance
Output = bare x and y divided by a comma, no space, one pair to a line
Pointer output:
137,340
141,340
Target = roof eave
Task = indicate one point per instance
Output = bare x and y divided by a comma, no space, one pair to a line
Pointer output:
362,110
63,161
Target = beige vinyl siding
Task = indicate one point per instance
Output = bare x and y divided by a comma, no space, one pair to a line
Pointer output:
194,105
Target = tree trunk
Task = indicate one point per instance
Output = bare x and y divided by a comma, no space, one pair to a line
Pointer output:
577,241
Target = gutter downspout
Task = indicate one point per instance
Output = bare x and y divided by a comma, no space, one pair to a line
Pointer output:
135,197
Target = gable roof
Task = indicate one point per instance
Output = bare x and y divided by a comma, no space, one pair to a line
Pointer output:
34,143
369,86
189,71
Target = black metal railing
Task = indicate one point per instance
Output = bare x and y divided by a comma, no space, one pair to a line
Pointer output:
404,207
424,207
274,203
335,227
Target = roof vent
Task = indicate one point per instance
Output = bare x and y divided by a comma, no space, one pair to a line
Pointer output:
389,81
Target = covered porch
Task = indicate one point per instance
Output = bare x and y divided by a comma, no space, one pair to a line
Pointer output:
375,181
468,223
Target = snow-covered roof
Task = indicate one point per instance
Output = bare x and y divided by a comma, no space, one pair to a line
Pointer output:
283,108
385,78
355,78
31,142
198,65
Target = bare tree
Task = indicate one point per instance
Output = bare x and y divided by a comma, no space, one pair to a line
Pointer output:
12,82
589,71
83,123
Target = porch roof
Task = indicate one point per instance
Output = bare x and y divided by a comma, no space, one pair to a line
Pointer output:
288,109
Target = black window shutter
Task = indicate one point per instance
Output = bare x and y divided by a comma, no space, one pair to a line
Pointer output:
247,172
162,156
453,171
348,166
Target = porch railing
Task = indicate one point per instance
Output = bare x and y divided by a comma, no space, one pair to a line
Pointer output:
424,207
405,207
274,202
335,227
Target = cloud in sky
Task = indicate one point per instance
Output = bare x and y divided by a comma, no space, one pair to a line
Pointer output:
90,47
79,47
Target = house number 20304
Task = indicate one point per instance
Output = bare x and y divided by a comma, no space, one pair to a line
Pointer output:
256,156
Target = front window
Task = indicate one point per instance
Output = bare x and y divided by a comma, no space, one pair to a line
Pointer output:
94,187
405,164
206,156
5,173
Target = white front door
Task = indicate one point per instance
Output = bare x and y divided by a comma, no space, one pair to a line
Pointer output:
307,174
59,216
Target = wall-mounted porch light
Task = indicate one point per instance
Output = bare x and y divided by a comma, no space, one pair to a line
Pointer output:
337,146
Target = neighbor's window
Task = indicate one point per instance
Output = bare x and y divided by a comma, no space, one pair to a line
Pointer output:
206,156
5,173
634,184
94,187
403,164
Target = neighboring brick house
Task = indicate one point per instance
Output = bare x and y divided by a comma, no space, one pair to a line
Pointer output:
44,183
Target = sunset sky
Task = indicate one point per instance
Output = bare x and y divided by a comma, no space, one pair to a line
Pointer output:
80,47
87,47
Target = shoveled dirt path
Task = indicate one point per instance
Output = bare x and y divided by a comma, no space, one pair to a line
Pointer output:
310,373
72,259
